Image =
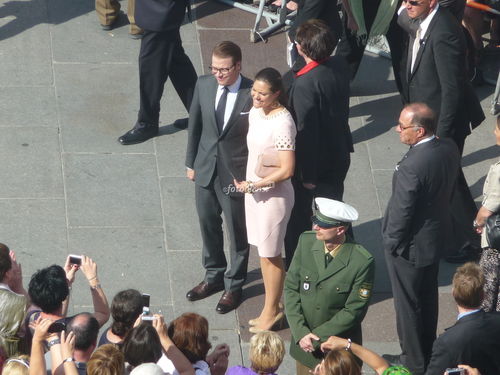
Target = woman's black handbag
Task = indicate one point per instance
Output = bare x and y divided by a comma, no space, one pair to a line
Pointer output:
493,231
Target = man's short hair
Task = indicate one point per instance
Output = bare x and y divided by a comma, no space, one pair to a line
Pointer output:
227,49
5,261
317,40
86,329
48,288
468,286
423,116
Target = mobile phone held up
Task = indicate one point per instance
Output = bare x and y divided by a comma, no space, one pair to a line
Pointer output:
455,371
75,259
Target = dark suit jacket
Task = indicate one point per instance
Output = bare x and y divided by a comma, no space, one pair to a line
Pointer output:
160,15
319,101
439,76
417,217
473,340
207,151
326,301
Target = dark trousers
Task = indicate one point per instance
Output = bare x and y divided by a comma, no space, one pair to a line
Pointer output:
162,56
415,292
211,202
300,218
463,211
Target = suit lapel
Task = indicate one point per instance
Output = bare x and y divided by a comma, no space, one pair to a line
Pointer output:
423,44
213,92
239,104
318,250
338,263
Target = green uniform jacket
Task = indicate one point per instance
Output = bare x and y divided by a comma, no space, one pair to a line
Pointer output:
326,301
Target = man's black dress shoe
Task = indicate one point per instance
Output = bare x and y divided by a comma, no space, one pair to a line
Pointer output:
203,290
393,359
138,135
465,254
229,301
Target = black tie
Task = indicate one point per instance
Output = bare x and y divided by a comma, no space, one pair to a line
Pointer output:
221,109
328,259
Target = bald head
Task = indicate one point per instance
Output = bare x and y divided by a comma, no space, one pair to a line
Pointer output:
421,115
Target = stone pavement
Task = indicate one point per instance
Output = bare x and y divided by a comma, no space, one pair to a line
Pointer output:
68,90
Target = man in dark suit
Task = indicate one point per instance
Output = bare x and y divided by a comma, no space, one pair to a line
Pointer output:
319,101
328,286
473,340
216,156
161,56
414,228
436,75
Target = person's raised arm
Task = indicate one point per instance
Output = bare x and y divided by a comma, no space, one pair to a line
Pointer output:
372,359
181,363
101,306
37,359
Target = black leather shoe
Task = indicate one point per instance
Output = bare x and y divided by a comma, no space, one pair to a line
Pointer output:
393,359
138,135
465,254
228,302
203,290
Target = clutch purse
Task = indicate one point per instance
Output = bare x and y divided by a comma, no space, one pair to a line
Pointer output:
267,164
492,228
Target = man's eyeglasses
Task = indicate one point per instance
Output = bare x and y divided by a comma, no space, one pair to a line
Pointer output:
403,128
413,3
215,70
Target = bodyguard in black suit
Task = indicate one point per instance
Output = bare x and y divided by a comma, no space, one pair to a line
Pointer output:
161,56
216,156
414,228
473,340
436,76
319,100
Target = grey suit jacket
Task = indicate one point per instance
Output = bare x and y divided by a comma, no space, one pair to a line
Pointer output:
209,152
418,213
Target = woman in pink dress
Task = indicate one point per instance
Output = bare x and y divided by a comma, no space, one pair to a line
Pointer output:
269,200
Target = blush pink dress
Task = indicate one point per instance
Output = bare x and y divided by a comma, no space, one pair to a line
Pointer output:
267,211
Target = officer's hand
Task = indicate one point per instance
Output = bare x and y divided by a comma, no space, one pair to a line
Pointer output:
190,174
305,342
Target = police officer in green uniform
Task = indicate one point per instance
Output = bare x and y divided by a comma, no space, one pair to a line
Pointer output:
328,285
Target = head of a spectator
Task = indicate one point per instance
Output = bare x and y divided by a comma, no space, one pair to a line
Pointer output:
226,63
86,329
315,40
189,332
106,360
339,362
142,344
19,365
266,352
48,289
268,89
125,308
416,122
147,369
468,284
5,263
419,8
332,219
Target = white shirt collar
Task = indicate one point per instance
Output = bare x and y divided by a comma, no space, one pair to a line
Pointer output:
424,25
234,87
424,140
